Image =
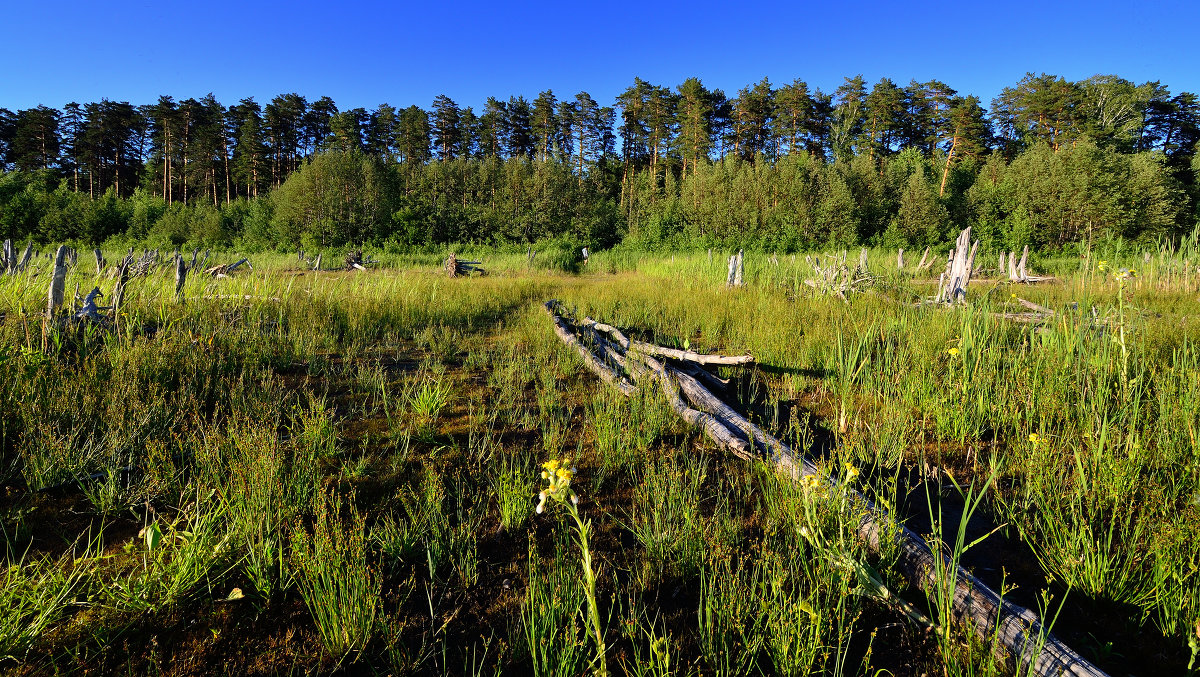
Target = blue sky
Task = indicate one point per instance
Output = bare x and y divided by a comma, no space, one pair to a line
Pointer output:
365,53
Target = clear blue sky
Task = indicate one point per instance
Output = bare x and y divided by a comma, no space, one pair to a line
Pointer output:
365,53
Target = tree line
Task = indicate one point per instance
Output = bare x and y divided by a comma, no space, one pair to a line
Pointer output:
1053,161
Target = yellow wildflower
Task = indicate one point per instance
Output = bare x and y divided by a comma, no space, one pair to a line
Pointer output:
1034,439
851,472
952,352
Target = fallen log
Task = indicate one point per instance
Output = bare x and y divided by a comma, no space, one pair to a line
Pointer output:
642,347
605,372
1019,638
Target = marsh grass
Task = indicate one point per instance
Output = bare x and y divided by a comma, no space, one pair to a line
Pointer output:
339,585
429,400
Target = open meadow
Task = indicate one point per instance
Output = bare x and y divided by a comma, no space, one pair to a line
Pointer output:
301,472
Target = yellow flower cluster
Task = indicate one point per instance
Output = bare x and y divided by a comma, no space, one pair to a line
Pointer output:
1035,439
558,474
1124,274
952,352
1103,265
851,472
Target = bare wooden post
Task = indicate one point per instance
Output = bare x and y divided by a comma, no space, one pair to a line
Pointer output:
58,280
958,268
737,273
181,271
26,256
732,265
924,259
900,259
1000,266
99,261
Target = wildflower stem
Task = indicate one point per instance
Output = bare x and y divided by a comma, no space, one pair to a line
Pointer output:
583,528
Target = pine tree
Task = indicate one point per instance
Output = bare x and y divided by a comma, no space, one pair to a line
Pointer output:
849,117
694,120
35,141
544,124
414,142
446,128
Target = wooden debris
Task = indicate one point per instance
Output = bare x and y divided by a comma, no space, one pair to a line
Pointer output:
226,269
89,310
100,264
355,260
833,277
1019,638
456,267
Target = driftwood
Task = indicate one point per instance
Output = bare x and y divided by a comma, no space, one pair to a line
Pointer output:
226,269
1019,638
90,310
456,267
355,260
833,277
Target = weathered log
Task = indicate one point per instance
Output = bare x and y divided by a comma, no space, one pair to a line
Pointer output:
223,270
633,345
958,269
605,372
1020,640
711,425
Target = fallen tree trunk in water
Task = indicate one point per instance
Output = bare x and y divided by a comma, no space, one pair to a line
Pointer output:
1020,640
